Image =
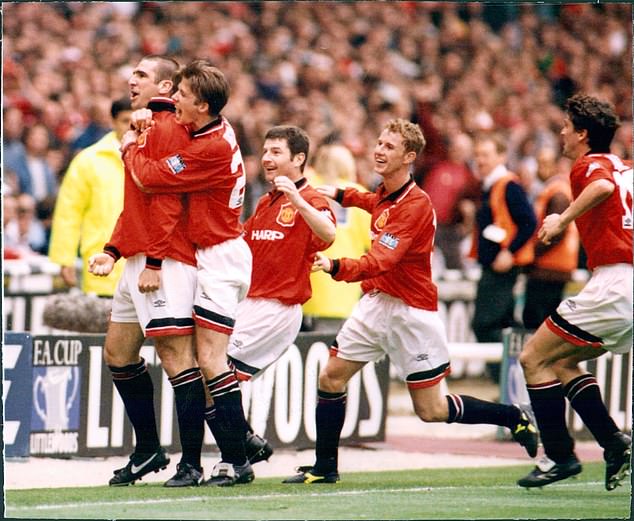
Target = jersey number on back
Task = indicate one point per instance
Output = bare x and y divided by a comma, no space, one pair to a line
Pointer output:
623,180
236,198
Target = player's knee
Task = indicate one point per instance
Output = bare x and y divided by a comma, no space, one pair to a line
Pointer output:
430,412
331,382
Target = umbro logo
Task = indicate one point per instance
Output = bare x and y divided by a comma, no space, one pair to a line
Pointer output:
421,357
159,303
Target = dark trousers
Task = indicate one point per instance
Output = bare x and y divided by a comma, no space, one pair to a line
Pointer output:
494,304
542,298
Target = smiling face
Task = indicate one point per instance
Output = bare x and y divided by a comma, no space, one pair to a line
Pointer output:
390,156
276,160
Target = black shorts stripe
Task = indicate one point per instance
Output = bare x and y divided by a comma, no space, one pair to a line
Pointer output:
214,317
427,375
242,367
159,323
574,330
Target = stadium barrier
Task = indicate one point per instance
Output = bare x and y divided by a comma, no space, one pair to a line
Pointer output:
60,401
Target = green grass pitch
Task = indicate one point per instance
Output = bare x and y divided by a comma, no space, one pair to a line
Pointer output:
434,494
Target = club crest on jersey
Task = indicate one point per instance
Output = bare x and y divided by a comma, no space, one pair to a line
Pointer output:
389,241
176,164
286,217
381,220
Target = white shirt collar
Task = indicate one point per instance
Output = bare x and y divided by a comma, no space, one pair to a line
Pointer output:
497,173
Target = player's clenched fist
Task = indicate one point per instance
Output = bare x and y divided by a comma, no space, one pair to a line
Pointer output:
100,264
321,263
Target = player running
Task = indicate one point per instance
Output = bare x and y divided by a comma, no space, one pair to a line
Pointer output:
597,320
398,313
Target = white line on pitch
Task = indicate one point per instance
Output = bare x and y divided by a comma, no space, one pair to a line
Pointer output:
191,499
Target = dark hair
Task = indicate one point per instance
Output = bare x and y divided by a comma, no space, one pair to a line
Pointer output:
597,117
167,67
295,137
208,84
120,105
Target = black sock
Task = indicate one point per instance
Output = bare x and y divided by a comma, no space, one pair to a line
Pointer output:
549,407
229,418
189,395
585,397
467,409
329,416
137,393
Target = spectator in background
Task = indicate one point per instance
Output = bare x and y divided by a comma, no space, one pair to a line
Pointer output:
505,223
332,303
453,190
89,202
24,235
34,172
99,121
13,152
9,216
554,262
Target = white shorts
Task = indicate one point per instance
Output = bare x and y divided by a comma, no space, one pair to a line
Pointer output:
165,312
264,329
414,339
224,276
601,314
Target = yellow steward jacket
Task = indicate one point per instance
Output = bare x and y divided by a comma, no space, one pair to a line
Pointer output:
88,204
332,299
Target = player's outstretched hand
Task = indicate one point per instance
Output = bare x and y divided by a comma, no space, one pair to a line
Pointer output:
100,264
321,263
327,190
149,280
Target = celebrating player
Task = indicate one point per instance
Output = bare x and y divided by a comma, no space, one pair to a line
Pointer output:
210,170
398,313
597,320
160,311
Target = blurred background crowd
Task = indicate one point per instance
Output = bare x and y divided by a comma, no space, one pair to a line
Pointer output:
337,69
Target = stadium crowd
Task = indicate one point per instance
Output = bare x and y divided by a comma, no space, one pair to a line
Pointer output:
338,70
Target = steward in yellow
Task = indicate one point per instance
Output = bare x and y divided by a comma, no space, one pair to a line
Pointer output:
88,204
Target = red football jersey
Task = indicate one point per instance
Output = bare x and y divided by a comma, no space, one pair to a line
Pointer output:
209,169
399,260
154,224
606,229
283,246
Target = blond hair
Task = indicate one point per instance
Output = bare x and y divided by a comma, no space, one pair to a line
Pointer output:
337,160
413,139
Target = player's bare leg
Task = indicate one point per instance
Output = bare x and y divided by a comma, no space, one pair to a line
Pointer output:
431,405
